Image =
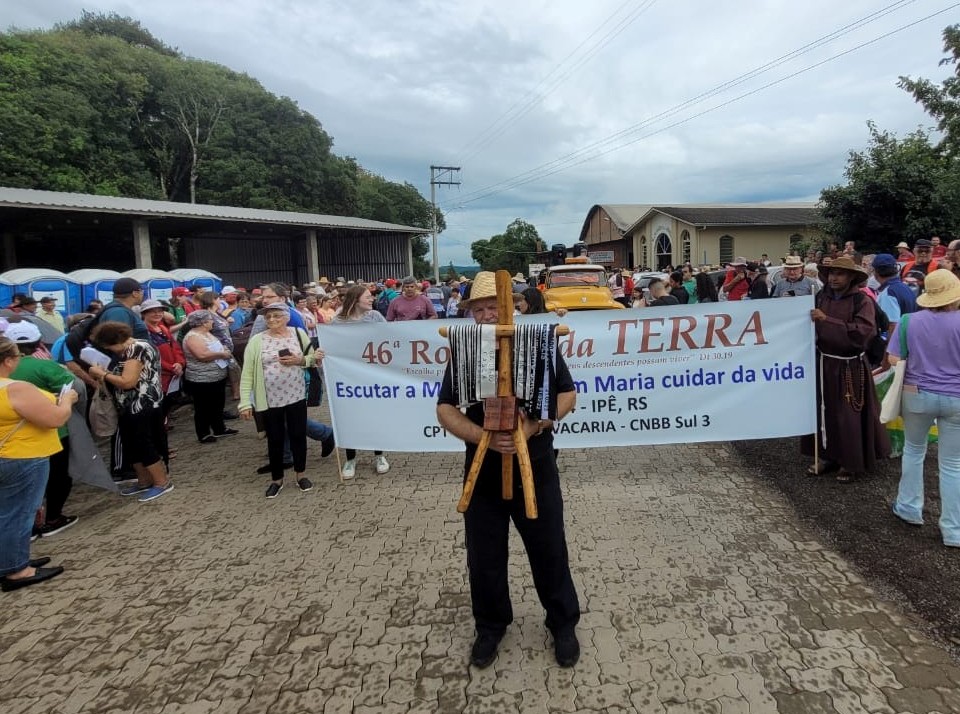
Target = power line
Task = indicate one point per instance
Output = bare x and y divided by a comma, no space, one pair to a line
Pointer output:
586,153
525,105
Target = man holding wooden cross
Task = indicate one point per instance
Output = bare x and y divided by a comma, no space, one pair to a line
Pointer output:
487,518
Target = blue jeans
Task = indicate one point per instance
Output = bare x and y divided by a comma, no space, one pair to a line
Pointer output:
318,431
22,483
919,409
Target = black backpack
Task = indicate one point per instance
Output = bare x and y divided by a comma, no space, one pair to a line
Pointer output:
876,346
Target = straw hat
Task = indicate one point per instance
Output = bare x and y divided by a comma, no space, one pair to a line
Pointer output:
942,287
484,286
846,263
793,261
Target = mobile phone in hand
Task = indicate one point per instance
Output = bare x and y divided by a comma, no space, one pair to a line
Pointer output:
284,352
64,390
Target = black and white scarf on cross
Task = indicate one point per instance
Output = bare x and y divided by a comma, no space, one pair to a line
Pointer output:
473,366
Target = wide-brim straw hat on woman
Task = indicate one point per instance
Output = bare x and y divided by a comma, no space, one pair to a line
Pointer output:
941,288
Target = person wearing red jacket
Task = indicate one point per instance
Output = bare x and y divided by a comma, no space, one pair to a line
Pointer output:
172,359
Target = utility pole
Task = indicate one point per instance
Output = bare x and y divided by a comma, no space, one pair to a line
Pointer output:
439,176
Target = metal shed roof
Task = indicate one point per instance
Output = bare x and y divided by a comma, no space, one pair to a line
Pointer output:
56,200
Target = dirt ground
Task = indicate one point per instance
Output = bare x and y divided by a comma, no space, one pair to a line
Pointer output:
907,563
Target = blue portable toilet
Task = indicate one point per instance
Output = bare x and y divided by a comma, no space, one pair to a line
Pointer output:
157,284
43,282
189,277
95,284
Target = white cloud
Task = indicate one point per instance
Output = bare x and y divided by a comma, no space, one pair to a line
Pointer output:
402,85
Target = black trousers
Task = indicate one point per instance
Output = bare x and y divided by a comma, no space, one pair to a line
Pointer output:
487,526
59,484
289,422
208,401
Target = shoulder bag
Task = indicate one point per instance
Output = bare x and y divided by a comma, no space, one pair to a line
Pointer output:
103,415
890,406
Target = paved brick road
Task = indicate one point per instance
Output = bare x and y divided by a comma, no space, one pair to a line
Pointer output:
700,592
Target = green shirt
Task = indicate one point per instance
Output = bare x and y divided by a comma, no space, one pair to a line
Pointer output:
691,287
46,374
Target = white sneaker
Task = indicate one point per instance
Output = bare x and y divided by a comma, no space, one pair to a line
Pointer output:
349,469
382,464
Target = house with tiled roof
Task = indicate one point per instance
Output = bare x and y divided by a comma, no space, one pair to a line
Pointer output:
654,236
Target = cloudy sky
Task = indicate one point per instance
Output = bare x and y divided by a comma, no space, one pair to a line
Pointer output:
552,106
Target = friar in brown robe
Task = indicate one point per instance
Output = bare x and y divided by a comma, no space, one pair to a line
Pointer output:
848,411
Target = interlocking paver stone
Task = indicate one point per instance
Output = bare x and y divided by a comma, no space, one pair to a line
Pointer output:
700,589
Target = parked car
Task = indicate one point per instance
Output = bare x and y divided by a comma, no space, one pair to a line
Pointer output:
578,286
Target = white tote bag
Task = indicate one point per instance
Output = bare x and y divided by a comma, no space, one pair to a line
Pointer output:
890,406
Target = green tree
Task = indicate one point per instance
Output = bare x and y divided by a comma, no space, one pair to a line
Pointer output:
904,189
391,202
898,189
511,250
942,102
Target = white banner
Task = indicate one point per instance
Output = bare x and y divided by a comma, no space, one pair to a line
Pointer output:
680,374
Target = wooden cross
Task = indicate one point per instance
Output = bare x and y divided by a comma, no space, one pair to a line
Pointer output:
500,413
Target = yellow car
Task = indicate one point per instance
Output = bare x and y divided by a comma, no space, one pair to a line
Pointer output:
579,286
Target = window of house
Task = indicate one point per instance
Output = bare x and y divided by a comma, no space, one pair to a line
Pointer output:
726,249
685,241
664,251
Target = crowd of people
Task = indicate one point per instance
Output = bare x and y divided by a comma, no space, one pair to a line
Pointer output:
260,349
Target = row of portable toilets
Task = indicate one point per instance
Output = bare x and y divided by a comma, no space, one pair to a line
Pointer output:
76,289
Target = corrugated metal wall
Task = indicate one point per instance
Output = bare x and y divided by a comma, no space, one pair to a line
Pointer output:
363,256
247,261
250,261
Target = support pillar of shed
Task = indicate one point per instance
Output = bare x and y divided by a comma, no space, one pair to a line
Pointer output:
313,257
141,244
9,252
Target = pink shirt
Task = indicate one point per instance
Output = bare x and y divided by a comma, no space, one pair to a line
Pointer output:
416,308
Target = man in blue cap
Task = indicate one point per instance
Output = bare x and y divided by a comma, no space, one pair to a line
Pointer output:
893,297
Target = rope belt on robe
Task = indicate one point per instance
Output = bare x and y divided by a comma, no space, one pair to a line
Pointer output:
848,382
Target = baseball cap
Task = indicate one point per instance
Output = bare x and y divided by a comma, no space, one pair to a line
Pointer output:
181,292
884,260
922,243
390,282
125,286
150,305
22,331
228,290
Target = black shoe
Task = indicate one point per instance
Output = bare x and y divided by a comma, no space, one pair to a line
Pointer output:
265,469
226,432
39,562
231,415
305,484
53,527
209,439
484,649
328,446
274,489
7,584
566,648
